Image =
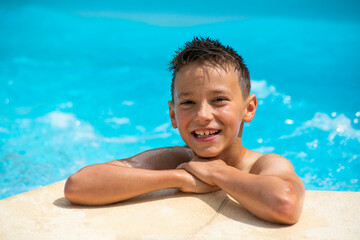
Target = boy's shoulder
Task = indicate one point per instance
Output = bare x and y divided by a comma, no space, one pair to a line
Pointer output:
273,164
269,164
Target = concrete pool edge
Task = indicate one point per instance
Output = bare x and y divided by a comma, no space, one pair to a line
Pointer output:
44,213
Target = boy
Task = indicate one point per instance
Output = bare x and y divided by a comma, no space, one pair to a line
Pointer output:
210,103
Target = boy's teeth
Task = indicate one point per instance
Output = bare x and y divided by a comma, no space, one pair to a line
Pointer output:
206,133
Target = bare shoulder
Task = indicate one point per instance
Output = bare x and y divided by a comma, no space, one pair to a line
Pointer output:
157,159
272,163
276,165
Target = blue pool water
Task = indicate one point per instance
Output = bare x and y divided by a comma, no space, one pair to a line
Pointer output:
84,83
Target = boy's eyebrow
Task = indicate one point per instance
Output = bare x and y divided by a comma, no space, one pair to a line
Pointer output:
185,94
215,91
220,91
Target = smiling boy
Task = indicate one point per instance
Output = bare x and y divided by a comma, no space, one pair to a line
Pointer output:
210,103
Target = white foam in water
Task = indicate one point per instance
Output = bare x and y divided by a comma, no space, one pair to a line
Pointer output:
313,145
126,139
289,121
265,149
353,158
301,155
69,126
66,105
4,130
77,129
135,139
263,90
127,103
58,119
118,121
140,128
338,126
162,127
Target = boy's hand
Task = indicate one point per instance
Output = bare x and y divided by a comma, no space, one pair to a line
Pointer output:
194,185
203,169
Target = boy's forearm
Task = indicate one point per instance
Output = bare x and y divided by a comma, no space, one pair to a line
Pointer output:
105,183
268,197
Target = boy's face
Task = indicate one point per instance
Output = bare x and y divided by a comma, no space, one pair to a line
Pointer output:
208,108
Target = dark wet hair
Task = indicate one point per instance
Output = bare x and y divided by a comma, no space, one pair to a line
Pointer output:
201,50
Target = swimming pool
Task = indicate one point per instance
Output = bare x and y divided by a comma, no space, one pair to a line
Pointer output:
87,85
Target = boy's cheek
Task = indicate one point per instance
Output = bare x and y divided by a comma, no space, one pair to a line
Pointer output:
181,120
182,132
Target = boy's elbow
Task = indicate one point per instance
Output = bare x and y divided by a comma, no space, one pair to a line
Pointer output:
79,189
86,186
72,190
288,209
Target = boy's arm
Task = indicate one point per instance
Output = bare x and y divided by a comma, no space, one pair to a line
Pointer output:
271,191
157,159
122,179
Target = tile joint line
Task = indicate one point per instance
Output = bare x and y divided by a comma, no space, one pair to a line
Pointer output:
222,205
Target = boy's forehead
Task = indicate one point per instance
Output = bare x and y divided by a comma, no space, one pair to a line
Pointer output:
204,71
205,75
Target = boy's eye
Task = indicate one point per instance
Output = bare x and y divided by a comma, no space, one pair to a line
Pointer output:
186,102
220,99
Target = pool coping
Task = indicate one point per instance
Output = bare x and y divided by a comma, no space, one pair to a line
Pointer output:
44,213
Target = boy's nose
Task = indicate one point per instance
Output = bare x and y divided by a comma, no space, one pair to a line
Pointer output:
204,114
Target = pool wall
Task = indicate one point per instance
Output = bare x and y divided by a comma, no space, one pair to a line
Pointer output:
44,213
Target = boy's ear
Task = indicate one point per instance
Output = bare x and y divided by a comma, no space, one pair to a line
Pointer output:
172,114
250,108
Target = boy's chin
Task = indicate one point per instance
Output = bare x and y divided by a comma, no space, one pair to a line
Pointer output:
206,154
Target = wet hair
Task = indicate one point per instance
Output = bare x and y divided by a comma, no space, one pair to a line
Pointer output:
201,50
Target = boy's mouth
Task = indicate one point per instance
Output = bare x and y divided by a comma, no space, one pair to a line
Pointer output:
205,133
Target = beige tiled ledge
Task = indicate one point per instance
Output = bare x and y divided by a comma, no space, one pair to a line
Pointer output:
45,214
